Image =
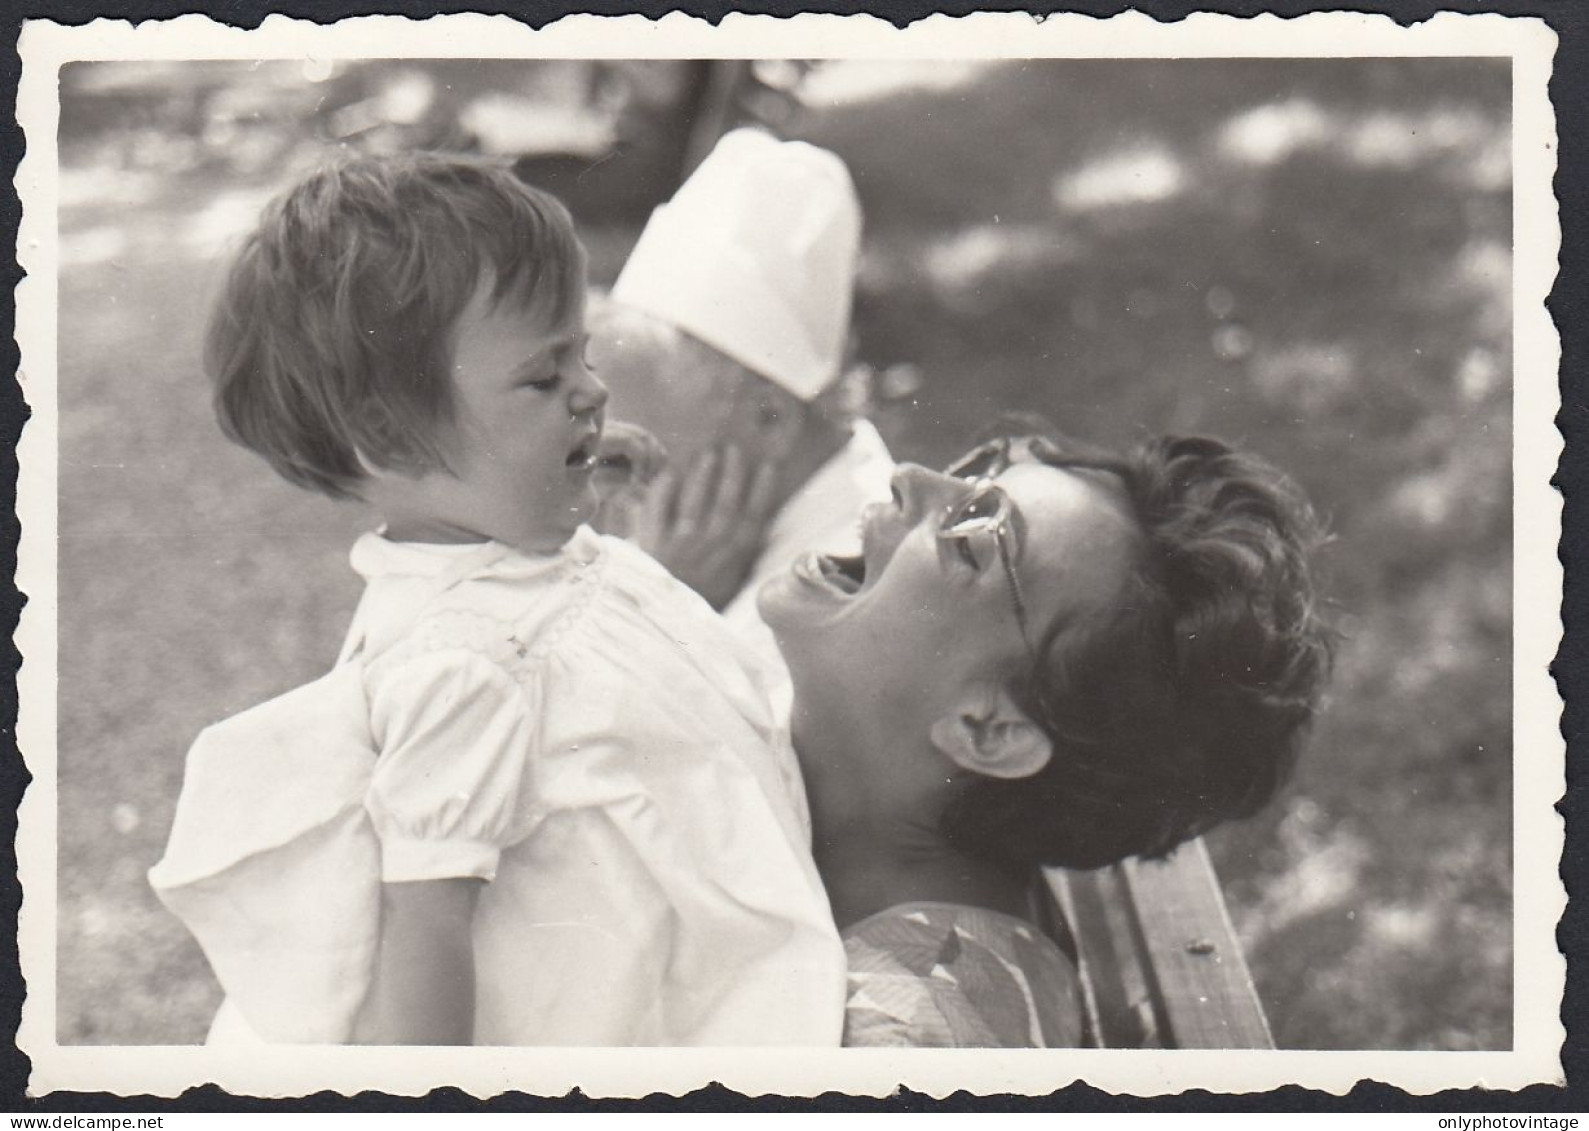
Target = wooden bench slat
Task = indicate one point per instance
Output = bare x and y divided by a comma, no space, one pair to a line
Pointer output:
1056,911
1116,988
1205,989
1160,962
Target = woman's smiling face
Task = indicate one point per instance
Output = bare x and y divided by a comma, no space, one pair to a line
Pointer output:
897,641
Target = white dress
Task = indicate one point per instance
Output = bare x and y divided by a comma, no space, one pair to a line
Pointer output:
584,733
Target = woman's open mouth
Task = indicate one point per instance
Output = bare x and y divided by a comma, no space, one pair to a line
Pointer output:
842,574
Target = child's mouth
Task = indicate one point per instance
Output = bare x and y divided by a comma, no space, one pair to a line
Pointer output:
583,457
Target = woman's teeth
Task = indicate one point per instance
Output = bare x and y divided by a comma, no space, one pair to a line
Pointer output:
843,573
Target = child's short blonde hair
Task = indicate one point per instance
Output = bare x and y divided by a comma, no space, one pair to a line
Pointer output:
331,342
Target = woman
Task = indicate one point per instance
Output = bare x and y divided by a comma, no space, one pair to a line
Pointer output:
1044,655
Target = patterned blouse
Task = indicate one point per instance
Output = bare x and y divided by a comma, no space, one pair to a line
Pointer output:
944,975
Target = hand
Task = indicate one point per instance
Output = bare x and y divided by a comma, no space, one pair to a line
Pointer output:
707,525
627,461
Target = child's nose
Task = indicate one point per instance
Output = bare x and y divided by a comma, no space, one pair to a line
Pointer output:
588,394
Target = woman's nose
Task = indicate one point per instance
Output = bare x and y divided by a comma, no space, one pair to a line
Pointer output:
920,488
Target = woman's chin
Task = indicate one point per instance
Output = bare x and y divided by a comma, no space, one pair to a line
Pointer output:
780,605
801,598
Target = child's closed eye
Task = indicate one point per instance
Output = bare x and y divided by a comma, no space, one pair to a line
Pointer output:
547,381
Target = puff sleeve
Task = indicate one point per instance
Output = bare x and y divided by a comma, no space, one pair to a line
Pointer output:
455,732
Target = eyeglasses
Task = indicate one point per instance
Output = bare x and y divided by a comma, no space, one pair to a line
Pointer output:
993,458
983,461
983,516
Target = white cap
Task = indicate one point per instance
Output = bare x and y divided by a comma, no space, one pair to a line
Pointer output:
755,255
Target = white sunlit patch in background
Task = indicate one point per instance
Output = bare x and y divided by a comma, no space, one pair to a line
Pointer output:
1401,140
402,99
1143,174
1325,876
211,230
1310,377
1426,500
960,264
1465,141
1484,268
104,186
1272,133
91,246
840,83
225,219
515,125
1479,374
90,200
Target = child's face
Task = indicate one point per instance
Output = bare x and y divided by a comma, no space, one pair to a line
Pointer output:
523,451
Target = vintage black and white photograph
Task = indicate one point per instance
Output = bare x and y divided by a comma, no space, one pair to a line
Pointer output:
839,543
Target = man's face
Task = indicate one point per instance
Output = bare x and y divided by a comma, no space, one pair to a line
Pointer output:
688,395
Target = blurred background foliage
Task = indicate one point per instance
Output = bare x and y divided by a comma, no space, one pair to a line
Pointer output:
1311,257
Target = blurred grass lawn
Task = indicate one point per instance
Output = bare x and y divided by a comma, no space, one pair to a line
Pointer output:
1309,257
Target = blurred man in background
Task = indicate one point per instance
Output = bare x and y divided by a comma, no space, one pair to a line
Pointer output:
725,335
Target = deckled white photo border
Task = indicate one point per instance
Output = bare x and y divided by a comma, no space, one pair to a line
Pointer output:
1540,898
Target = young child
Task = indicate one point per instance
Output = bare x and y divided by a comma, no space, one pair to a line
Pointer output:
589,829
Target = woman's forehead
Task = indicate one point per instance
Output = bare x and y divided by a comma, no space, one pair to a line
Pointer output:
1075,491
1076,519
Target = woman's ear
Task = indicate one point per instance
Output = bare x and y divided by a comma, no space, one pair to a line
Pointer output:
990,735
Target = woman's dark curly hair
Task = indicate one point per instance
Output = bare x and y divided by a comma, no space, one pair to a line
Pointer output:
1184,704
